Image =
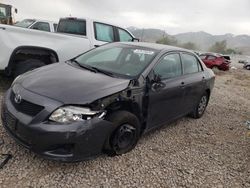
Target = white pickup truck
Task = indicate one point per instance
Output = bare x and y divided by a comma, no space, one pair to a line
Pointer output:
23,49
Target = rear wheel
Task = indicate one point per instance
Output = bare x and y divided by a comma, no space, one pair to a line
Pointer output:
200,107
125,137
27,65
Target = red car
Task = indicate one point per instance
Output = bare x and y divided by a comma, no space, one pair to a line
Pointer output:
216,61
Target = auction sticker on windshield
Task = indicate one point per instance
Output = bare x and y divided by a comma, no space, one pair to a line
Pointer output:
138,51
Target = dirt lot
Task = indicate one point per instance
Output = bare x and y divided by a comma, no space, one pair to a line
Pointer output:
213,151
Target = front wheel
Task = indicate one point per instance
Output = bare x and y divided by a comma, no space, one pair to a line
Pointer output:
126,135
200,107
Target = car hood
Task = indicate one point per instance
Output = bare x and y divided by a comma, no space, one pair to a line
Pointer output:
71,85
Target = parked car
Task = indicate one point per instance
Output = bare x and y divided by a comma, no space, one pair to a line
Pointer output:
247,66
216,61
26,49
42,25
105,99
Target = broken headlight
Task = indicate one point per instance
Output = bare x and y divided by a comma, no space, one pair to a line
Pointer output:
70,114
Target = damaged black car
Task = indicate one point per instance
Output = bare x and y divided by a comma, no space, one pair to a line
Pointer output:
103,100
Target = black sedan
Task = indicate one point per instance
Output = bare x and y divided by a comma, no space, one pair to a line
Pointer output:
105,99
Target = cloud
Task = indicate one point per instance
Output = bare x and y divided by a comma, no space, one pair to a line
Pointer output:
214,16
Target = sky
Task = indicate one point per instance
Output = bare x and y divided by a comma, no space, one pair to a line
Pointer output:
173,16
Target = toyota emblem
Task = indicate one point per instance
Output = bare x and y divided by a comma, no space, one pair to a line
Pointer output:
18,99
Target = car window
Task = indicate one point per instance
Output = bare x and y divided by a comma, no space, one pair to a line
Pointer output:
104,32
124,36
190,64
72,26
42,26
169,66
25,23
2,12
211,57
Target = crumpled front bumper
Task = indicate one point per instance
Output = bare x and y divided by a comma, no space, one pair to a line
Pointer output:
71,142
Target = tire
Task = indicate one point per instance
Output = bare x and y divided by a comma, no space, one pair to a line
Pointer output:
27,65
126,134
248,67
200,107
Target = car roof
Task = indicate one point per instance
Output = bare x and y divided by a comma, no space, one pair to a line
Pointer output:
154,46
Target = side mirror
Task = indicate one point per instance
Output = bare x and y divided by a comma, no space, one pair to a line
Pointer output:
16,11
135,40
157,78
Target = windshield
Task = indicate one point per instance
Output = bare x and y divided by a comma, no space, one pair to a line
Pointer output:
123,60
25,23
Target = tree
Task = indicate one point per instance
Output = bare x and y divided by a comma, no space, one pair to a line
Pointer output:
219,47
168,41
189,45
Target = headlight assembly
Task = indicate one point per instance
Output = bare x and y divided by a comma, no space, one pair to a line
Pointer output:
69,114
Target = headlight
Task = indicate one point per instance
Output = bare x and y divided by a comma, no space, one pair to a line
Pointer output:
71,114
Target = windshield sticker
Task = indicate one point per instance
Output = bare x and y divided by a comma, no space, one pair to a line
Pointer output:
137,51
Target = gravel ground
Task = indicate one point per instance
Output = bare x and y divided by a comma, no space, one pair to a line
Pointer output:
213,151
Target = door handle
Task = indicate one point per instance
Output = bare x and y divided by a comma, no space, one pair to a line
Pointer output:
96,46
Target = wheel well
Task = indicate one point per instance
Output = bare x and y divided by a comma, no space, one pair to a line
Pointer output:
126,106
20,54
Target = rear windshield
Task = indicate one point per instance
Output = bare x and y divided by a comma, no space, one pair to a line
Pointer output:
77,27
25,23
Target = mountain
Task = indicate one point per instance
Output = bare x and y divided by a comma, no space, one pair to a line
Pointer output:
202,39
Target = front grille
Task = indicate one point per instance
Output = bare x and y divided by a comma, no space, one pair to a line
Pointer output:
26,107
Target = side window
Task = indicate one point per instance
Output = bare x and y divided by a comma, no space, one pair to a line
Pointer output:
2,11
169,66
42,26
124,36
190,64
211,57
104,32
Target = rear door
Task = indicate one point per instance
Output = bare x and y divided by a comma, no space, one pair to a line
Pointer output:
165,101
194,80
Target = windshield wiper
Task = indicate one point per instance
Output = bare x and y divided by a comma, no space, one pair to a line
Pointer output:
84,66
93,69
103,71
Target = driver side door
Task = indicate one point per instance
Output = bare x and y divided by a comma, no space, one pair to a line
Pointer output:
167,94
